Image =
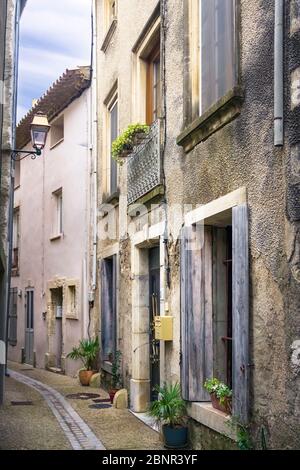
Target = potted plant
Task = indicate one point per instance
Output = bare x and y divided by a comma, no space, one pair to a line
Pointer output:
116,380
220,394
169,411
87,352
125,143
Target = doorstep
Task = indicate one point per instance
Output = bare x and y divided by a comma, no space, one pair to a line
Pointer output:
146,419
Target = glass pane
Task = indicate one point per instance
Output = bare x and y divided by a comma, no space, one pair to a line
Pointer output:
217,50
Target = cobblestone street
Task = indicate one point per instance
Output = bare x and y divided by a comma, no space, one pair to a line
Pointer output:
38,415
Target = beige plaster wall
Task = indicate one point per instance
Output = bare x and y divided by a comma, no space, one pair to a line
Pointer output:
45,262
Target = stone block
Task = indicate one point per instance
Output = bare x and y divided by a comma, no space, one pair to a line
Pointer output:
121,399
95,381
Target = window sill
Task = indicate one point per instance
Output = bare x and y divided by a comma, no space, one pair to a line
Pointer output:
205,414
217,116
56,144
109,35
56,237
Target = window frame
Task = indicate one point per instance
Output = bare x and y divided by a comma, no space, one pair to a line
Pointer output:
57,224
110,102
148,41
13,317
112,289
197,128
214,213
58,123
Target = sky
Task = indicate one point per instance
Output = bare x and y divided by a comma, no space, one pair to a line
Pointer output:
54,35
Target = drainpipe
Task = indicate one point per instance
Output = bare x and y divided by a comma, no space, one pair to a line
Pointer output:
94,123
278,73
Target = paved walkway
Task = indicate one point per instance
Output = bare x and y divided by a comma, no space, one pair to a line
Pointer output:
75,429
57,420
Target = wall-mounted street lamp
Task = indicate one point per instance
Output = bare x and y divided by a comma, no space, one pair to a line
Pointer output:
39,129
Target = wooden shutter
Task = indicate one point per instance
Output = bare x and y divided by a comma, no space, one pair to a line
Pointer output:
113,136
196,312
240,311
108,307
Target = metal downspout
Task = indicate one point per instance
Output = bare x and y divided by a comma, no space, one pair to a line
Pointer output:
278,73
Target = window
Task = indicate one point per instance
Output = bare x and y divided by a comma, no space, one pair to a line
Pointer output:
72,301
57,131
12,320
58,213
16,240
108,308
112,132
217,50
213,95
147,94
153,85
215,305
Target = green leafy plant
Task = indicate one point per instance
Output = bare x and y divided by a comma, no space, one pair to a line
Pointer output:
220,389
126,140
116,370
170,408
87,352
243,438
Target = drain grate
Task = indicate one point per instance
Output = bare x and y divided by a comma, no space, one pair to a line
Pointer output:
21,403
82,396
100,406
102,400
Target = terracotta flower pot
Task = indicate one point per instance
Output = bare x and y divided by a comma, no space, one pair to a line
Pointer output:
85,377
225,406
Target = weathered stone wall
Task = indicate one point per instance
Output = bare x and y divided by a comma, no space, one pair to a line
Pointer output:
242,154
116,65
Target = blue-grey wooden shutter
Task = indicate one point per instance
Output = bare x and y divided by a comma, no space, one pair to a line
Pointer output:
196,312
108,307
240,312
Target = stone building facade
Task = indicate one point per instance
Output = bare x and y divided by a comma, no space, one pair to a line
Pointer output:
10,13
201,222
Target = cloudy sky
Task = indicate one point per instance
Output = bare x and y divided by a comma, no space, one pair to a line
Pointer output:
55,35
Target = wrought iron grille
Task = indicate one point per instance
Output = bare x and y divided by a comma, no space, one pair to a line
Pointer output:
145,165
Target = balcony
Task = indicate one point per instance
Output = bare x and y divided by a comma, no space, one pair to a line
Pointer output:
145,165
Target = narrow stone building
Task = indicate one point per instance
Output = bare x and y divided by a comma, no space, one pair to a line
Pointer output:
200,222
50,283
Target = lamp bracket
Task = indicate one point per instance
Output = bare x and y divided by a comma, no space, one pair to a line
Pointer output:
18,155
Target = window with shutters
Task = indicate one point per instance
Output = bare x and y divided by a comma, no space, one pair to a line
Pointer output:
215,303
108,309
13,316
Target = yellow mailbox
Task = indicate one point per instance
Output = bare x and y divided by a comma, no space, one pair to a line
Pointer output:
163,328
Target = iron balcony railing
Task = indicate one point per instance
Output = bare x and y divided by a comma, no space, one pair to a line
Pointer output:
145,165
